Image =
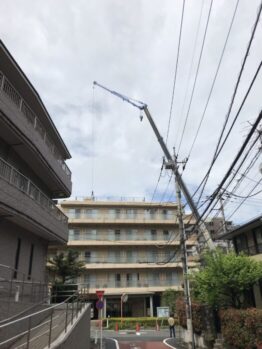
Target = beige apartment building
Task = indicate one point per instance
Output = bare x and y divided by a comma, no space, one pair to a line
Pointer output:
128,247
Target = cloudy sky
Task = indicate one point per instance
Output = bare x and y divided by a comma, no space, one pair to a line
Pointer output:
131,47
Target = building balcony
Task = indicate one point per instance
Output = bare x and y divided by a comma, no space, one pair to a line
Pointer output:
124,219
143,264
36,145
140,242
25,204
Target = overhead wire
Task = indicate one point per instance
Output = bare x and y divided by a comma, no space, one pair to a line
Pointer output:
218,147
196,75
176,69
214,79
205,179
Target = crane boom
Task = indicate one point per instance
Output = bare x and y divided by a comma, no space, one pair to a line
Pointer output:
171,163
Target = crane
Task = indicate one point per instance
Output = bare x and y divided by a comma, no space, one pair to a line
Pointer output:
170,163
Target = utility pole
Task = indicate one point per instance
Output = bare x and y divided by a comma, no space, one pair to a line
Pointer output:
183,247
224,225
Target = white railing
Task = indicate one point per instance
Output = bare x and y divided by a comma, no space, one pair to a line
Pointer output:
18,180
14,96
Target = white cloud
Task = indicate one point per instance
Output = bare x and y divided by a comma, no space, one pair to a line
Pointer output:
130,46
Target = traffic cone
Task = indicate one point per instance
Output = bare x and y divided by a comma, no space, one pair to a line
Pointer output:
137,329
117,328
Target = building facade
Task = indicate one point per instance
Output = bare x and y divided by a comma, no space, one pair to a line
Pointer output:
32,173
128,248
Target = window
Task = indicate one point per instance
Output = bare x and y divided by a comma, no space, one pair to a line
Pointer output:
87,256
117,235
77,213
131,213
118,280
153,235
165,235
30,261
241,243
71,213
129,256
17,255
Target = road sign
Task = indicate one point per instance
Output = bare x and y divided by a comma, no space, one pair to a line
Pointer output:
124,297
100,293
99,305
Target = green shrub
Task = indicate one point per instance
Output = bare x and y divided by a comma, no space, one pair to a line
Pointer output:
130,323
197,314
242,329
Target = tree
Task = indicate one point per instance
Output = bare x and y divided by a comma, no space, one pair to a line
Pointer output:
225,278
65,266
169,298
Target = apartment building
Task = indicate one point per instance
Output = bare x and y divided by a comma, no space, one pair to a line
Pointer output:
33,172
129,247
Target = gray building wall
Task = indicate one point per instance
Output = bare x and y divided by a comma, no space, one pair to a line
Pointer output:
9,234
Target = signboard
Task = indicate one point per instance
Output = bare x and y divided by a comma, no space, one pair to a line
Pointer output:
124,297
162,311
100,293
99,305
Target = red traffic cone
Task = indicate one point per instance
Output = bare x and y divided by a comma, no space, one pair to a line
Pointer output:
117,328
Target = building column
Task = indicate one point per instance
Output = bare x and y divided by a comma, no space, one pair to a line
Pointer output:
151,306
104,300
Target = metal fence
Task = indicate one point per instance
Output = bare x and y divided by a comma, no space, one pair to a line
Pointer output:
17,179
40,329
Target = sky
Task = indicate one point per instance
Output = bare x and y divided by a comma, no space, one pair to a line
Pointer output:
131,47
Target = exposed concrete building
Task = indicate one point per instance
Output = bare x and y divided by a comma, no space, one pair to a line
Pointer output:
32,173
247,239
128,247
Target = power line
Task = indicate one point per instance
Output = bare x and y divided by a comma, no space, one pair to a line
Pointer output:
177,58
191,66
205,179
239,154
215,77
196,76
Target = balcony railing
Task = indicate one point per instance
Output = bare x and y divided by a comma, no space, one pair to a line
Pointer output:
158,259
134,283
30,116
139,216
22,183
141,236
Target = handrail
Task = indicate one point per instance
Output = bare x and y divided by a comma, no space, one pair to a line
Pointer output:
38,312
22,328
24,184
16,98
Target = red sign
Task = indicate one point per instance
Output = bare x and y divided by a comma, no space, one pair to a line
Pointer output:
100,293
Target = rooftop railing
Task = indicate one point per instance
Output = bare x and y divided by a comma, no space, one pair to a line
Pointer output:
22,183
32,119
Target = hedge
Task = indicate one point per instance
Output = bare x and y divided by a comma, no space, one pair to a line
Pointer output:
197,314
242,329
130,323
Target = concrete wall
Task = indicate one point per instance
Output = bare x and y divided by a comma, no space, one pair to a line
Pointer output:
78,336
41,220
9,234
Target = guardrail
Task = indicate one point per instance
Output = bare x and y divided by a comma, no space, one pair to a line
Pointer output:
40,329
17,179
15,97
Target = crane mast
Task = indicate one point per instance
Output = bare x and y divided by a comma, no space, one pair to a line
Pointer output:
170,164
